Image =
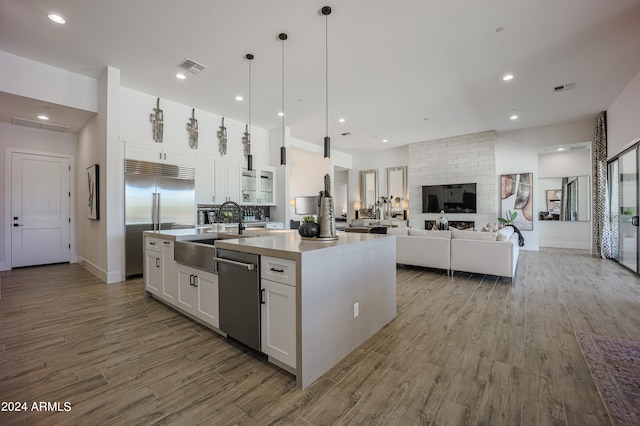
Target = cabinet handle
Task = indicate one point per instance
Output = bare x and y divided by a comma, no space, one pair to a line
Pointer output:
192,280
166,242
157,262
262,302
277,270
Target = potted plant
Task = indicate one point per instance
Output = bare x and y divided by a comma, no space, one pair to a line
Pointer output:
226,216
509,220
308,228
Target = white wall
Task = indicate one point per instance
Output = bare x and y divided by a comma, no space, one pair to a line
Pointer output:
557,165
460,159
34,140
24,77
135,126
623,119
517,152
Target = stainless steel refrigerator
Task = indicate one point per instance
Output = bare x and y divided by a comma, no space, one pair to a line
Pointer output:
157,197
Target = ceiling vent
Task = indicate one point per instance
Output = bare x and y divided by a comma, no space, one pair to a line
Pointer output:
564,87
192,66
39,125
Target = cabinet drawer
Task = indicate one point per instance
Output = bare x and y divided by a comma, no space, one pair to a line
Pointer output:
153,243
278,270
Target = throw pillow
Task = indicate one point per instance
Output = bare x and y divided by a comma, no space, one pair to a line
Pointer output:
426,233
504,234
490,227
473,235
397,231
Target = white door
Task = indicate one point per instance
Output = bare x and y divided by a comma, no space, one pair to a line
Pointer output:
40,204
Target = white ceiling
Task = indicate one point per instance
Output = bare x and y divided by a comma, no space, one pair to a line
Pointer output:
406,71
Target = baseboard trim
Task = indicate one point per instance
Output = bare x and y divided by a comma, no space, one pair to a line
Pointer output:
95,270
565,244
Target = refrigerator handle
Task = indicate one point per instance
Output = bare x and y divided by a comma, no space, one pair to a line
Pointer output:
158,218
153,210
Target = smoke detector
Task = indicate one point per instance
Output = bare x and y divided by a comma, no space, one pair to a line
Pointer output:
192,66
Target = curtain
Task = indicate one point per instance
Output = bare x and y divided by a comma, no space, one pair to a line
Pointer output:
602,246
564,200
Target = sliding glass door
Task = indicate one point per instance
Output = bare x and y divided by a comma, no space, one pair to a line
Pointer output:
627,211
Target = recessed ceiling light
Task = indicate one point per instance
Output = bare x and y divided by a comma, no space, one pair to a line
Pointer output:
239,98
281,114
56,18
385,140
180,76
514,116
507,77
43,117
341,120
560,149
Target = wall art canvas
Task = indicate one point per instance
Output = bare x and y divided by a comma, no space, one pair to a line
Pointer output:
517,196
93,185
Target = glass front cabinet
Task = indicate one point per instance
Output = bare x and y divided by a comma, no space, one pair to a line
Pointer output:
258,186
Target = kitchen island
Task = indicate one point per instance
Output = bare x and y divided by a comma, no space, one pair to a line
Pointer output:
336,294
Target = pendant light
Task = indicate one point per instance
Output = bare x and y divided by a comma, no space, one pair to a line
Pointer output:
326,11
283,149
246,139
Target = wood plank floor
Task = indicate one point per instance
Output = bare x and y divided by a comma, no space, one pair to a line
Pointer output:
464,350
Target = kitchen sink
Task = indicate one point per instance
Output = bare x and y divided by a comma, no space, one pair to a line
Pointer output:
199,254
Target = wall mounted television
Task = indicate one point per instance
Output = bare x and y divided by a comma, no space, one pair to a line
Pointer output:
452,198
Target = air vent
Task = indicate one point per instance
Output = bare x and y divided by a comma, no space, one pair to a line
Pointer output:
346,134
39,125
564,87
192,66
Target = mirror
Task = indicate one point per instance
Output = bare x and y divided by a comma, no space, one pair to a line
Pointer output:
368,188
397,182
565,198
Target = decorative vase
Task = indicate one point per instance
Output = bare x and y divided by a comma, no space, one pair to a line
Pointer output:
308,229
442,223
326,218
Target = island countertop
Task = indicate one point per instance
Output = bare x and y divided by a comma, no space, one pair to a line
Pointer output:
286,244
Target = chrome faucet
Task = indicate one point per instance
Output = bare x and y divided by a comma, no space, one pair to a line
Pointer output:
233,203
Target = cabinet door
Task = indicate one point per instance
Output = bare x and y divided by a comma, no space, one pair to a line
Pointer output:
204,180
249,187
207,307
176,158
169,279
187,292
144,152
278,320
267,182
233,182
153,271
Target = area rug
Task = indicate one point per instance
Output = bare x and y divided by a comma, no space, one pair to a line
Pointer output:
615,367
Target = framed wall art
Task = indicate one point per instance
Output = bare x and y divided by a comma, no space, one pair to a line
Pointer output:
517,196
93,191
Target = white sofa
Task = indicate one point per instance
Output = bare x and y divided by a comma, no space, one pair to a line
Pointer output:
493,253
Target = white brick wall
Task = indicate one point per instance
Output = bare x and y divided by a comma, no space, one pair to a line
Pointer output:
461,159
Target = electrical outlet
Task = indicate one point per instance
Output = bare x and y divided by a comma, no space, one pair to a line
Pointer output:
356,309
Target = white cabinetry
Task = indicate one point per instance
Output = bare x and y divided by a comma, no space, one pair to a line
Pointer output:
204,179
278,313
198,293
169,282
258,186
153,266
155,153
226,182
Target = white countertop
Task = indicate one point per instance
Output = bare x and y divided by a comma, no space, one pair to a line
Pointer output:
271,242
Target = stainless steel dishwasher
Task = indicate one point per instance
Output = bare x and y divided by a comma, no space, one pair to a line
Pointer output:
239,295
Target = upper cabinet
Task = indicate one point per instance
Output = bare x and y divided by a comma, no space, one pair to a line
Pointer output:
226,182
156,153
258,186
